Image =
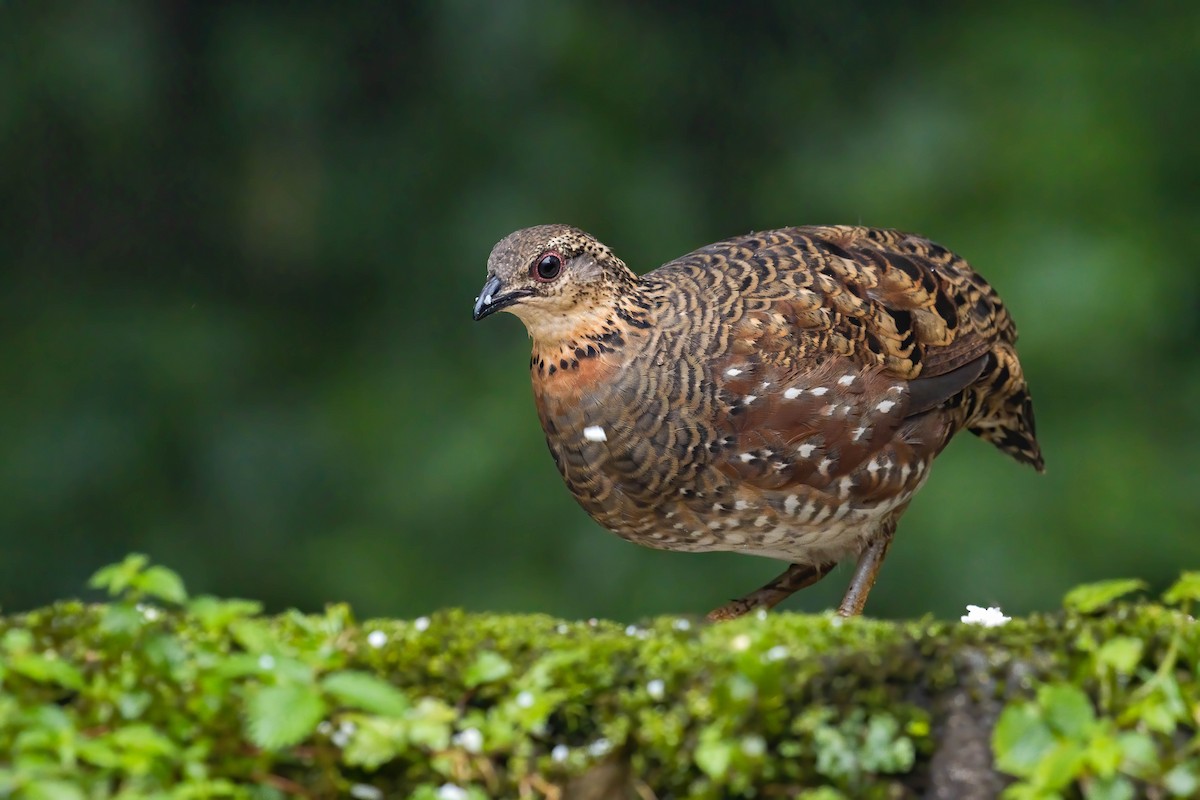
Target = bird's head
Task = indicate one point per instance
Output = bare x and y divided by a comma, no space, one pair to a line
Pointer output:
554,277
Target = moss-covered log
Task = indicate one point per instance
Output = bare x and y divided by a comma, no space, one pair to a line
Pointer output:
208,699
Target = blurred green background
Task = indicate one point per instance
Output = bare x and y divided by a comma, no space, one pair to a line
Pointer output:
240,242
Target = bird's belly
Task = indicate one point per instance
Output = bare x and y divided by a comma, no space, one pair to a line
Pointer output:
842,534
803,527
652,496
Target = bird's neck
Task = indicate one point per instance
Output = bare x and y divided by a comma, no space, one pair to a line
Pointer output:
587,344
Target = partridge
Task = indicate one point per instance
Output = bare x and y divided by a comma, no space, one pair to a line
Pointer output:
780,393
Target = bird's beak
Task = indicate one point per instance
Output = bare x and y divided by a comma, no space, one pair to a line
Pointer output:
491,299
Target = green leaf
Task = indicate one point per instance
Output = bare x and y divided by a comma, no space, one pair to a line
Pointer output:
1020,740
115,578
714,753
253,635
46,670
163,583
1115,788
100,753
1182,781
1139,756
16,640
1104,754
824,793
366,692
1121,653
429,724
1067,710
283,715
1061,764
144,739
1092,597
1185,589
52,790
487,668
375,741
216,614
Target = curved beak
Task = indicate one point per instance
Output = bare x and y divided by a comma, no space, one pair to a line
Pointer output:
491,298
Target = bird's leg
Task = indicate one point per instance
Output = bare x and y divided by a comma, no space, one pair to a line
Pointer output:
794,578
865,573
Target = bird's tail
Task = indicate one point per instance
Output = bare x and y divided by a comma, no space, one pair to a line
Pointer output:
1006,417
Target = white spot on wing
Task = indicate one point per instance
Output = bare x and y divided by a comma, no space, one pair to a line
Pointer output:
806,450
733,372
820,390
885,405
594,433
747,457
750,398
846,380
793,393
791,504
858,432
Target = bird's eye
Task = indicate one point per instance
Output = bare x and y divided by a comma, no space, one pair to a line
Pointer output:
548,267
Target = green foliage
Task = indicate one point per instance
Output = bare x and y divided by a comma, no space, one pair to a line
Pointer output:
1095,596
132,700
1136,731
134,579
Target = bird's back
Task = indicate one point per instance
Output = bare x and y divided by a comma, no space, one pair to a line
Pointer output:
879,297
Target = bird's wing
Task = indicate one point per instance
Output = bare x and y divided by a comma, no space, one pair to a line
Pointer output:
839,339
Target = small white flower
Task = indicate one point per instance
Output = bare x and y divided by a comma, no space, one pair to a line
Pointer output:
340,738
525,700
776,653
449,791
324,727
377,639
560,753
740,642
631,630
656,689
422,625
599,747
266,662
149,612
761,614
681,625
991,617
470,740
363,791
561,628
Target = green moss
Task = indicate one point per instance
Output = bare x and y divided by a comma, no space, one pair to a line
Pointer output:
205,698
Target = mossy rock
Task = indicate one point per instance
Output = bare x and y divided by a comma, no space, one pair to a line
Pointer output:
209,699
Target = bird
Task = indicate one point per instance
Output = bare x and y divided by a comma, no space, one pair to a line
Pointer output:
780,393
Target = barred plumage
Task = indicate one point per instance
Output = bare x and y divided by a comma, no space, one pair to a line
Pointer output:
780,393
